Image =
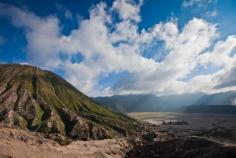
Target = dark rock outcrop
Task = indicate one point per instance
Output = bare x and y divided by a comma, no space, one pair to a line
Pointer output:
192,147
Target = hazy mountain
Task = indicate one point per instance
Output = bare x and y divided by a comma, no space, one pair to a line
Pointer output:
171,103
223,98
226,109
38,100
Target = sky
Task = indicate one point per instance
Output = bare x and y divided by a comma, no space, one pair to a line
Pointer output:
115,47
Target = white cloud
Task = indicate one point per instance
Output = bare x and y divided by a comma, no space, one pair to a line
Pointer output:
127,9
223,57
211,13
109,46
220,55
198,3
184,48
43,35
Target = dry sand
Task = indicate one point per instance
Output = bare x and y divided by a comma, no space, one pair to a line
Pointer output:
17,143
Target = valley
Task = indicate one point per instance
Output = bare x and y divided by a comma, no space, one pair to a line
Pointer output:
216,127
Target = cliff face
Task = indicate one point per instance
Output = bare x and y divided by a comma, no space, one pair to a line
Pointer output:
38,100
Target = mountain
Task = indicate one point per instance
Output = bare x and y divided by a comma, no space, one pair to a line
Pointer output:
226,109
148,103
223,98
39,100
128,103
168,103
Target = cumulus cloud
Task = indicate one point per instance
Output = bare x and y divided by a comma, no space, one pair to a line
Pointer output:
110,45
184,48
198,3
222,56
227,79
42,34
127,10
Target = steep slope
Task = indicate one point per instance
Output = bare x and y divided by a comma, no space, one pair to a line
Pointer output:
38,100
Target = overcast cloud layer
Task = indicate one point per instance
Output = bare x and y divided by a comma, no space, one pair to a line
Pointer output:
109,42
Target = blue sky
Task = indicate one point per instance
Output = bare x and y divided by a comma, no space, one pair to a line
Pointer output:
125,46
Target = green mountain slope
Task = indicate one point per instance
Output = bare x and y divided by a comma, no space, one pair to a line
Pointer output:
38,100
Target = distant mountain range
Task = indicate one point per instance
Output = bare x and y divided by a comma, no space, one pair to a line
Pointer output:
194,102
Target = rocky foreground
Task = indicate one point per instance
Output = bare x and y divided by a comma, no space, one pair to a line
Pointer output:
192,147
15,143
